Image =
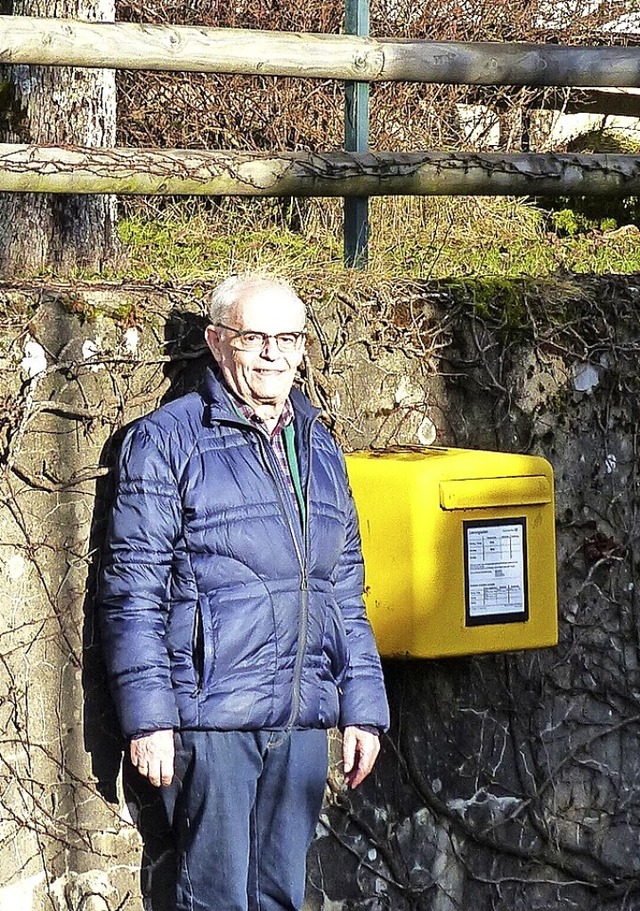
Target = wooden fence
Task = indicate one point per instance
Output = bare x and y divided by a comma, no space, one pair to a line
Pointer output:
126,45
54,42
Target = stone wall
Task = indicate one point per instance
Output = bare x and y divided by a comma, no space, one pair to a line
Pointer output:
507,781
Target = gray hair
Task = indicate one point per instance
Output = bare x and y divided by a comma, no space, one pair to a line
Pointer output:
227,295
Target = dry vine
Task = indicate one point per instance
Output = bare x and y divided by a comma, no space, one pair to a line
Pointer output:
506,781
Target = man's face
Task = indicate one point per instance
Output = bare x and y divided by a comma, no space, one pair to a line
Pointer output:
264,376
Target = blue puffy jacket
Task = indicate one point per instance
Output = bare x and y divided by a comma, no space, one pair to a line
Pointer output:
219,611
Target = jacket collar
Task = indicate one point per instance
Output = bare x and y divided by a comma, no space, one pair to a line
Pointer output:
219,407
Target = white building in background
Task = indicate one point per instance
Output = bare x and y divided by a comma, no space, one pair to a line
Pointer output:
577,111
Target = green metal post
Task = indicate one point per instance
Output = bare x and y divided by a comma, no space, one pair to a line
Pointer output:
356,139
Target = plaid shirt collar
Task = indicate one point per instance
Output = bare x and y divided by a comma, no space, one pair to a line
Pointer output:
276,441
283,421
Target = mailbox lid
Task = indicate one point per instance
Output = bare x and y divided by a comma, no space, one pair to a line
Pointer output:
491,493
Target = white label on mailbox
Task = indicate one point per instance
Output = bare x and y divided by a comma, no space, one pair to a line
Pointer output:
495,571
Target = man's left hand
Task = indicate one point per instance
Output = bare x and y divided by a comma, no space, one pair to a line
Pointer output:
359,752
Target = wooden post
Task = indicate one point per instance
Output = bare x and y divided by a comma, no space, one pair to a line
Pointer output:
356,139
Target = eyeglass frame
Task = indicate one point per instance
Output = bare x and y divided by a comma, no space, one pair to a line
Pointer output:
300,335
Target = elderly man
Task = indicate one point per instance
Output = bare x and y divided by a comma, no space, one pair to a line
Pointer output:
232,615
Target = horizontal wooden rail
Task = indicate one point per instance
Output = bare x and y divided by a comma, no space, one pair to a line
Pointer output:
126,45
46,169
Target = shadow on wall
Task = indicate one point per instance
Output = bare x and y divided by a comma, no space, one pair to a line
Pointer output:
102,737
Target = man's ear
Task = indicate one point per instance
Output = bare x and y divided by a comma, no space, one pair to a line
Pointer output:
212,339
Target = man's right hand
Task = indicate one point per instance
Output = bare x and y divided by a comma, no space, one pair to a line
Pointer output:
153,756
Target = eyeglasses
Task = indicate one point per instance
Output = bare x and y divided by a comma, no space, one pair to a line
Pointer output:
248,340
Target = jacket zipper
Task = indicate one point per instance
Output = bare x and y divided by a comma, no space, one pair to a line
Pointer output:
302,556
304,587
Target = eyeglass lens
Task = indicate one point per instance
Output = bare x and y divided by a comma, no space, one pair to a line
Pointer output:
256,341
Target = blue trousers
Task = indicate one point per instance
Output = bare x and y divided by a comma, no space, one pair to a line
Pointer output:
244,808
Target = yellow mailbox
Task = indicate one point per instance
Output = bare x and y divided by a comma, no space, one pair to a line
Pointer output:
459,549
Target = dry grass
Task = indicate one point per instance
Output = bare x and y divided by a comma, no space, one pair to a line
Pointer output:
413,238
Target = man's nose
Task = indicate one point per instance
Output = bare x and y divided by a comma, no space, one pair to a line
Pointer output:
270,349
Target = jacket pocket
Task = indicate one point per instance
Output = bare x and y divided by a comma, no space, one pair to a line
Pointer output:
335,646
197,647
202,644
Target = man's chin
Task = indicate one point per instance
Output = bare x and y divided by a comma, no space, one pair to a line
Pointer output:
270,396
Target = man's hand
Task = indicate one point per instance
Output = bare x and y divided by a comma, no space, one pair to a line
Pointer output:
359,752
153,756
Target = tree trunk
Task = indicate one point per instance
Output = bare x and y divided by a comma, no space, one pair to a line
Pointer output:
57,105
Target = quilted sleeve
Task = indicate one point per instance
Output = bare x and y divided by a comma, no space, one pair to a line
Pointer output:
363,698
145,524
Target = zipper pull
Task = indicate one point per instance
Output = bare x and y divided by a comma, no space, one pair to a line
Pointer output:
304,581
